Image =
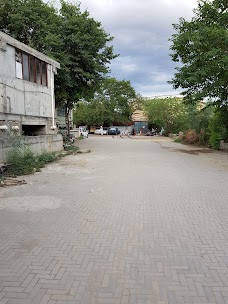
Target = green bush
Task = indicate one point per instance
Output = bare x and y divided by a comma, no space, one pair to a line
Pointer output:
45,158
178,140
21,161
217,131
71,149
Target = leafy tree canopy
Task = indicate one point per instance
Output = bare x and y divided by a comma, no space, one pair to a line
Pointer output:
112,102
86,50
32,22
167,113
201,45
70,36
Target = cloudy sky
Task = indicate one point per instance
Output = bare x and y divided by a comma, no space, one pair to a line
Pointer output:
141,29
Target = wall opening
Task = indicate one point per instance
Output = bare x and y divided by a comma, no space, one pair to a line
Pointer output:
33,130
30,68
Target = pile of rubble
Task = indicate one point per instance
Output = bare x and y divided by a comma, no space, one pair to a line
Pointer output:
8,180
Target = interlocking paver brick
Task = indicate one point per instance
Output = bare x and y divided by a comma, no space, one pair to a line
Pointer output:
139,221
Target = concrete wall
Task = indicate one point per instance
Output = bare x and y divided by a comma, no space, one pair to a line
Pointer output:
123,128
38,144
21,101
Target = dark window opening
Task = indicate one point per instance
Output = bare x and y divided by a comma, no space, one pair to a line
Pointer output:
25,67
32,77
30,68
33,130
38,72
61,112
44,73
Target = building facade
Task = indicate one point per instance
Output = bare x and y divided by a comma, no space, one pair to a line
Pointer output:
140,121
26,89
27,104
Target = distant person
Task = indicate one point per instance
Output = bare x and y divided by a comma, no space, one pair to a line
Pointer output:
101,129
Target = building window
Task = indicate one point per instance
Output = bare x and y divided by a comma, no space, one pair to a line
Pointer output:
30,68
19,65
61,111
33,130
44,73
25,66
38,74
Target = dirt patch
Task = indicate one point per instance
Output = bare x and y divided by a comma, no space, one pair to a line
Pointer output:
83,151
188,150
193,152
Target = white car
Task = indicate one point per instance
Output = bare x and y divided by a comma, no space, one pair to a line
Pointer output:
98,131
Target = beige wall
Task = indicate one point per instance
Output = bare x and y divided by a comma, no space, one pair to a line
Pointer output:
139,115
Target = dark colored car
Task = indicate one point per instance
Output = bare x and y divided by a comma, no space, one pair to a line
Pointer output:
113,131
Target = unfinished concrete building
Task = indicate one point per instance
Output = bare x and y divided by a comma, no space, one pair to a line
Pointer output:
27,103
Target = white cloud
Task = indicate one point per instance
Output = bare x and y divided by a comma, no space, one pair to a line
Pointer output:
141,30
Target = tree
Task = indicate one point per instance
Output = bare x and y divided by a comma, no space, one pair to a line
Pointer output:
111,103
70,36
87,54
201,45
89,113
32,22
197,117
167,113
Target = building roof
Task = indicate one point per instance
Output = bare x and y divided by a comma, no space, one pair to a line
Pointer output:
139,115
6,39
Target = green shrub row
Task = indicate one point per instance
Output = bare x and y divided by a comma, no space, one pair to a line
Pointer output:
206,127
22,161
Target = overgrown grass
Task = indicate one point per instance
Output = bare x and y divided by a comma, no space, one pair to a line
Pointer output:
24,162
45,158
178,140
71,149
20,161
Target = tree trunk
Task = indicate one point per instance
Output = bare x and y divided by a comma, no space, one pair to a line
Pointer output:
67,115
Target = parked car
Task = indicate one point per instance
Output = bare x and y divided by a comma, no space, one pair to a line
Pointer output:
113,131
105,131
98,131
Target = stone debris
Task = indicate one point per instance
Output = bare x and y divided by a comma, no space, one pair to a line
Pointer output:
12,181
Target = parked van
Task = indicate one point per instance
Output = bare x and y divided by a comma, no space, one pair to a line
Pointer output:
92,129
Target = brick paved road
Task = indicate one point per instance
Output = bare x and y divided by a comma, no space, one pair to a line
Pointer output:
133,222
